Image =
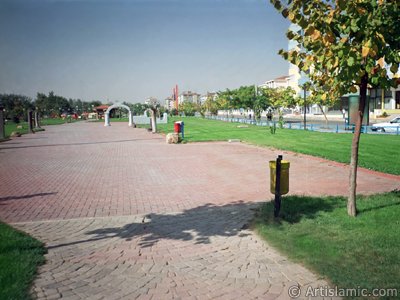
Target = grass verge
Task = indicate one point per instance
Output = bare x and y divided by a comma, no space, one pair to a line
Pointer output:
377,152
20,256
11,126
350,252
56,121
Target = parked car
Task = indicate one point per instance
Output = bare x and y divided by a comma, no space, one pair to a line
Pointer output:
392,126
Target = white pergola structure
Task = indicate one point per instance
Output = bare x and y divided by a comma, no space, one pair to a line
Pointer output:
107,114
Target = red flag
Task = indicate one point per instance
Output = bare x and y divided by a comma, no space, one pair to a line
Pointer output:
176,97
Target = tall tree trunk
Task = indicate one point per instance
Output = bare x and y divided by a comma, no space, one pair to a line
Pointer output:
37,124
326,118
153,121
351,202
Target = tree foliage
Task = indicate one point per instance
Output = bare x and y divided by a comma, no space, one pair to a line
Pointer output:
137,109
54,105
153,105
210,105
345,46
189,108
251,97
16,106
282,97
343,41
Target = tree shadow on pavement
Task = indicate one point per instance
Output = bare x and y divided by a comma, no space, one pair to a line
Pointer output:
198,224
201,223
25,196
76,144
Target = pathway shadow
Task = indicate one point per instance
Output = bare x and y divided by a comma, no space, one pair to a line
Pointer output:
25,196
77,144
34,138
365,210
201,223
394,201
296,208
198,224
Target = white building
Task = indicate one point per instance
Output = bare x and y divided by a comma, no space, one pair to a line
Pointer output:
283,81
169,103
189,96
151,101
204,97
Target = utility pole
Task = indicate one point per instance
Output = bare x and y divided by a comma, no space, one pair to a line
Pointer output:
305,108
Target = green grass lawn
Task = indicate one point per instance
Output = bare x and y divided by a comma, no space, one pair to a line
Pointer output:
123,119
11,126
349,252
20,256
377,152
112,120
57,121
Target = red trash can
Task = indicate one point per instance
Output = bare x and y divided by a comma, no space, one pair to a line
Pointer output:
177,127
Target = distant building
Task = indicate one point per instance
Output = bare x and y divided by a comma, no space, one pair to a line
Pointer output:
151,101
283,81
100,110
296,77
189,97
169,103
212,95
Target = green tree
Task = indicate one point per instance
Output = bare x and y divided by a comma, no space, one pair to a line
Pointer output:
54,105
153,106
210,105
138,109
173,112
94,103
42,103
57,104
245,96
283,98
263,100
225,100
161,111
189,108
346,45
77,105
16,106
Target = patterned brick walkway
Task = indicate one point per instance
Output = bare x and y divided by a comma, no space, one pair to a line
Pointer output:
126,216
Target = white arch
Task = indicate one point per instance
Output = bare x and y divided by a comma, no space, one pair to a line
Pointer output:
107,114
153,120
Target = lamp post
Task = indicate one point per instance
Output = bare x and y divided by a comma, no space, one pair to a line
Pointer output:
2,132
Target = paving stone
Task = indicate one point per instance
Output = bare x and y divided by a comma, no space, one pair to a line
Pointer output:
97,198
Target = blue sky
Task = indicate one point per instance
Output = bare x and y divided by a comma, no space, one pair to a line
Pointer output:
130,50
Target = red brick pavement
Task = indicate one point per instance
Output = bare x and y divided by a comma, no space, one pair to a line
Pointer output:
87,170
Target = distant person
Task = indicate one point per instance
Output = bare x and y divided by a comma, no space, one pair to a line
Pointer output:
269,115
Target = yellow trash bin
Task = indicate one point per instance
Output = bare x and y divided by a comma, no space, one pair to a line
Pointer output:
284,176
